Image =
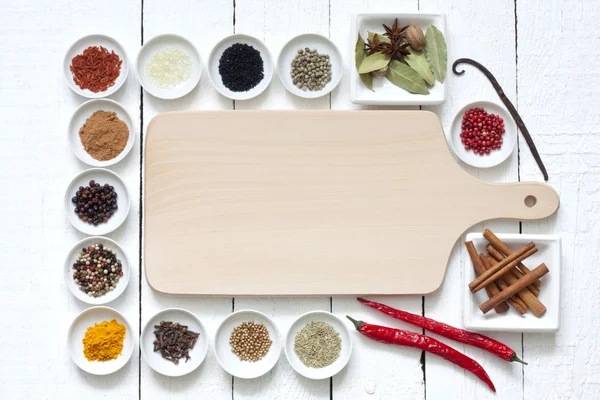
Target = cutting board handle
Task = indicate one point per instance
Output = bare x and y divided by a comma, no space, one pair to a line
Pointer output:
523,200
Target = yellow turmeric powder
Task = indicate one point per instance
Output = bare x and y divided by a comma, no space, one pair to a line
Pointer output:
104,341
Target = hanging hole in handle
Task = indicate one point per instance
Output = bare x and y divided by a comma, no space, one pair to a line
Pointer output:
530,201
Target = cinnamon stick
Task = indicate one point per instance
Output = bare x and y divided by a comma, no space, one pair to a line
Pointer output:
521,284
515,271
517,256
534,304
514,301
491,289
503,248
503,270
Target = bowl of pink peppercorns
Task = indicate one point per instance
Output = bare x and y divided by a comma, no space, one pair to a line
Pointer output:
483,134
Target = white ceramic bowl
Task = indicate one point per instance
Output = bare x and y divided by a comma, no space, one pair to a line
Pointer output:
161,42
318,373
496,156
95,40
323,46
213,66
80,325
230,362
549,252
102,176
82,113
123,281
166,367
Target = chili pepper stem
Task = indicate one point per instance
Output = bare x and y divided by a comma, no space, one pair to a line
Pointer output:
357,324
517,359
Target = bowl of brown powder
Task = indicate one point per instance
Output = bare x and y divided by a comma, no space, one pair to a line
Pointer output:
101,132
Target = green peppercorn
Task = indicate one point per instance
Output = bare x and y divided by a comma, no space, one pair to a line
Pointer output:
310,70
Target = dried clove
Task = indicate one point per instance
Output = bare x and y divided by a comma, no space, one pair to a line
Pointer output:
174,341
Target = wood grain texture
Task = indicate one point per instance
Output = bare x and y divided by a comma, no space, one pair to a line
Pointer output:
287,212
557,98
563,120
275,23
36,165
493,44
375,370
203,23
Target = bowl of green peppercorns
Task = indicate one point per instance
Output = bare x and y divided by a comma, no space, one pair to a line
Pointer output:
310,66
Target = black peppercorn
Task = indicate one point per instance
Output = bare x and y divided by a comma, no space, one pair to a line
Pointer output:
92,202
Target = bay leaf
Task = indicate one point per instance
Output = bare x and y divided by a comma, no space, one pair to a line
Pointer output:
374,62
418,61
380,37
406,78
359,55
436,52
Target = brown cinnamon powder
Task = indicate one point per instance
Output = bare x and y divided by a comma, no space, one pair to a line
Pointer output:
104,135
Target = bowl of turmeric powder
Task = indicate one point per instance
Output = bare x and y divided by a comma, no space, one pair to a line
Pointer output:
100,340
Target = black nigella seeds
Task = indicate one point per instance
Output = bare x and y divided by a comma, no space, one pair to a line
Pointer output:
95,203
241,67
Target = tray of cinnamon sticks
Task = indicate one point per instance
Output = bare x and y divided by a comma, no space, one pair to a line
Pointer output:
512,282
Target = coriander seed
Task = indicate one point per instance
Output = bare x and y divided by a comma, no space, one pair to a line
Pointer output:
250,341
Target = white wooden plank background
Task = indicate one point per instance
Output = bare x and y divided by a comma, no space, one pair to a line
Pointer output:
544,53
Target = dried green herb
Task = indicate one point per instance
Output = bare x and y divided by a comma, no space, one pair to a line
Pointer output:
418,61
436,52
405,77
374,62
380,37
318,344
359,56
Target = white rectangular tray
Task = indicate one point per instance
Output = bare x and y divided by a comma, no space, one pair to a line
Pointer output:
386,93
511,321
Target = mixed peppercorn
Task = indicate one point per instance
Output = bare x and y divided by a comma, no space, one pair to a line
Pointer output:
96,270
95,203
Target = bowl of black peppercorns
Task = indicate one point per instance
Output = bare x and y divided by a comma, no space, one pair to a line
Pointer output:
97,201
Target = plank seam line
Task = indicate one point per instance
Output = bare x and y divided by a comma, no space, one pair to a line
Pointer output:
141,205
233,298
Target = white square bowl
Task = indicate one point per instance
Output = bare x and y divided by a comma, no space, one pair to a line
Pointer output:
386,93
511,321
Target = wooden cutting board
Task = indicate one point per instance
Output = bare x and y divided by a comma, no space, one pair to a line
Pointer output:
311,202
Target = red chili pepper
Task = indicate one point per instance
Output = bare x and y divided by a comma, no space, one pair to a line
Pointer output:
460,335
411,339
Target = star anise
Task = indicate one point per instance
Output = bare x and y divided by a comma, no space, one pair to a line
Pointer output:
396,49
373,46
395,33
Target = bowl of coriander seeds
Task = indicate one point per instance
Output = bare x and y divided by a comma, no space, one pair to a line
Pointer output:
310,66
247,344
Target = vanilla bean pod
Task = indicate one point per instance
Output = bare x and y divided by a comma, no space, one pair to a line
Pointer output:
508,104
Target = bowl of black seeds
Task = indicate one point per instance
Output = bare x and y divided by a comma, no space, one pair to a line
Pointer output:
240,67
310,66
96,270
97,201
174,342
